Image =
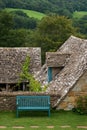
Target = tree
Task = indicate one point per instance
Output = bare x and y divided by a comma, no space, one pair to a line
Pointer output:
10,37
2,4
21,20
81,24
16,38
52,31
6,23
46,6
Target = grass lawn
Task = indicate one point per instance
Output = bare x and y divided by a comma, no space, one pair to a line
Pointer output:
41,119
79,14
30,13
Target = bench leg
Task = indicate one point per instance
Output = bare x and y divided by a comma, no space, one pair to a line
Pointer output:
49,113
17,113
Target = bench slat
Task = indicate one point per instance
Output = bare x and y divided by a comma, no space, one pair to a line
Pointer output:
33,103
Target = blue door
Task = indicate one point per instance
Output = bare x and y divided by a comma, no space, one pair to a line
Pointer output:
49,74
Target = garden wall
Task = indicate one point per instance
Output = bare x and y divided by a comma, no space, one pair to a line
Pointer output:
8,99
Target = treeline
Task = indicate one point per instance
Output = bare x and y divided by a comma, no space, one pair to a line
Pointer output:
61,7
21,20
49,34
17,29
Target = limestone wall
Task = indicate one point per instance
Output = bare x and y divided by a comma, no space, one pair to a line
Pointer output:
8,99
79,89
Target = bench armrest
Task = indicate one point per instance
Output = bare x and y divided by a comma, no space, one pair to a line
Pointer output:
49,103
17,103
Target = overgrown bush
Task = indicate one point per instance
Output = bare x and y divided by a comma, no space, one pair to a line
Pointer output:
33,85
81,105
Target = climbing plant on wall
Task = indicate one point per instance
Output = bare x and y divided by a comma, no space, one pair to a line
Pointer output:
26,76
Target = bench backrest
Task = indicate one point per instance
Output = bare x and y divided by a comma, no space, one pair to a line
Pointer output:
33,101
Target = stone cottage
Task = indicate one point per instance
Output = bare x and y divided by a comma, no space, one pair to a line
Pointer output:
66,72
11,62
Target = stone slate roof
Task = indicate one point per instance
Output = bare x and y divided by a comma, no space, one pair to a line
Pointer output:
56,59
12,59
73,70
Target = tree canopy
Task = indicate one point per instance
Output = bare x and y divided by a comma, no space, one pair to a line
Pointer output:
10,37
81,24
54,6
52,32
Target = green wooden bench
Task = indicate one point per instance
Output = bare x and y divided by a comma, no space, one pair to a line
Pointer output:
32,103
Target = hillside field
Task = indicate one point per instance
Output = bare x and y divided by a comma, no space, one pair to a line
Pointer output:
29,13
79,14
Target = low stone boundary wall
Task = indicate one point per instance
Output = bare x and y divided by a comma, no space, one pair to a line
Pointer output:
8,99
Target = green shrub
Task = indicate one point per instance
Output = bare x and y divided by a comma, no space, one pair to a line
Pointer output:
81,105
33,85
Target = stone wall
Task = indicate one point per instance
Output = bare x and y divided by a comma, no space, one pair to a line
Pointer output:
8,99
79,89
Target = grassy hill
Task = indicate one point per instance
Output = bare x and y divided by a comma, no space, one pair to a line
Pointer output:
47,6
29,13
79,14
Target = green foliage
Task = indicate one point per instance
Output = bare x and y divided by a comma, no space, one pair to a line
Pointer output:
14,38
64,7
25,75
24,22
52,32
29,13
34,85
2,4
81,24
25,70
24,18
79,14
8,36
17,12
6,21
81,105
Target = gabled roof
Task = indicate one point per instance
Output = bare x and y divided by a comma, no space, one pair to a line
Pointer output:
12,59
73,70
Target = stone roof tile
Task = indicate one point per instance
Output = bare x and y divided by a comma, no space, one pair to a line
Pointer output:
12,59
73,70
